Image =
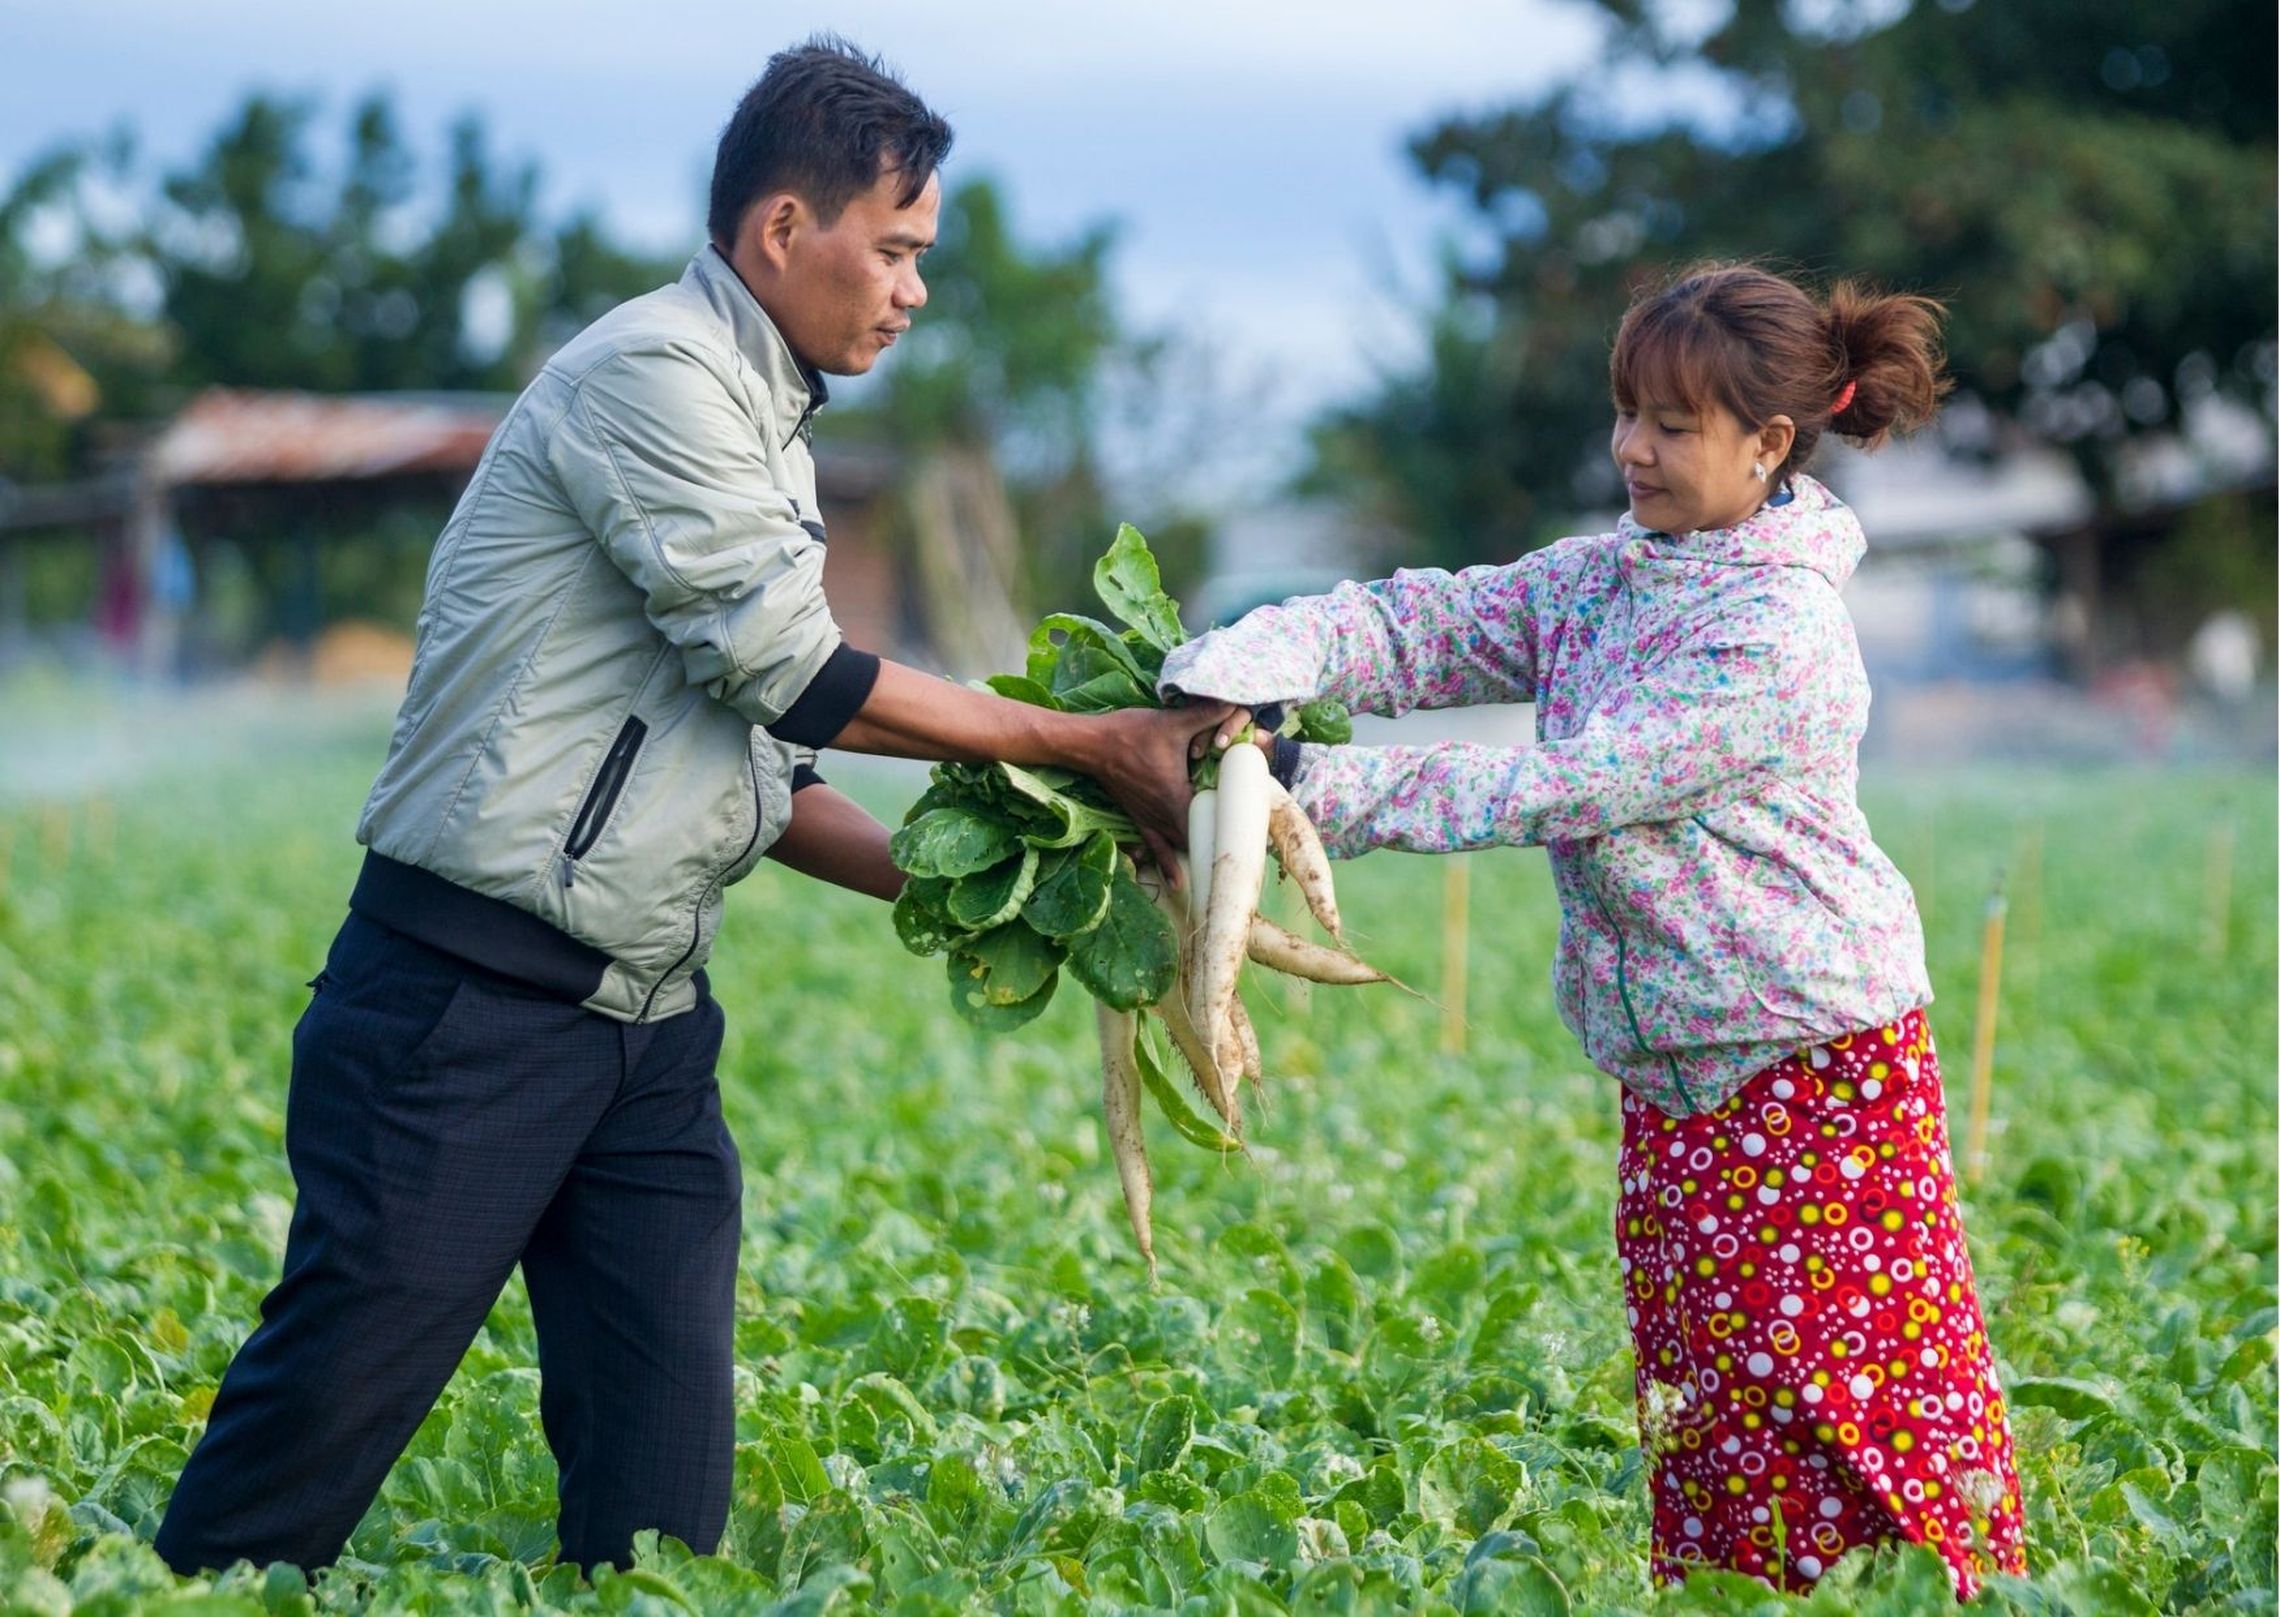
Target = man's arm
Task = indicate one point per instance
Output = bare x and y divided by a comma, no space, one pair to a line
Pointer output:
1140,755
832,839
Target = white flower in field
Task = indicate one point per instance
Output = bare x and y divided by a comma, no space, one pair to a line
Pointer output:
28,1498
1659,1408
1982,1490
41,1517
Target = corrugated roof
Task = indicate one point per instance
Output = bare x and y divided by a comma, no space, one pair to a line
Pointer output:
226,435
241,435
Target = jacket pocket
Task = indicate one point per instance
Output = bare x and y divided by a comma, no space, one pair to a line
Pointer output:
602,796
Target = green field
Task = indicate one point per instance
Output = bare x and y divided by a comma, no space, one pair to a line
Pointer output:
1385,1369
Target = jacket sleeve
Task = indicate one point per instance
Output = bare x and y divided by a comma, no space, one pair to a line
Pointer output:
1707,727
1417,639
663,465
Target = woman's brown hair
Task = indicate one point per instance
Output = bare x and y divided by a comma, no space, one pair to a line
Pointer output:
1759,345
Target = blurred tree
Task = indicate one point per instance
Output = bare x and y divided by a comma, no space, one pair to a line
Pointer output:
2088,183
278,276
71,345
253,266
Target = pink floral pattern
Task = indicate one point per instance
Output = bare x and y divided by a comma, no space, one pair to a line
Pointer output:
1699,706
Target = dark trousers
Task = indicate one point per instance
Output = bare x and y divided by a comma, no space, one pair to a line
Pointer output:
444,1125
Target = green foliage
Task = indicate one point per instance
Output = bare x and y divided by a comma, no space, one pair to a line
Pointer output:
1033,853
1387,1368
273,272
2088,186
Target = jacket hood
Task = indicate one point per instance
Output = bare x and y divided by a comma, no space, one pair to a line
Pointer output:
1813,528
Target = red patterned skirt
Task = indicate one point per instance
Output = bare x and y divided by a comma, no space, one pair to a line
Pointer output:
1814,1373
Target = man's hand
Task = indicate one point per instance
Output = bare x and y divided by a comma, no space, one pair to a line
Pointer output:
1139,754
1144,764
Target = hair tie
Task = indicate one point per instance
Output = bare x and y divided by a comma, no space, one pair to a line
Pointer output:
1844,398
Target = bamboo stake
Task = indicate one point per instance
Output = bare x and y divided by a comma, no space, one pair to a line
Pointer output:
1456,951
1983,1034
2216,918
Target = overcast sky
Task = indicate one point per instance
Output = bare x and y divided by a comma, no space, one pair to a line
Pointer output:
1252,148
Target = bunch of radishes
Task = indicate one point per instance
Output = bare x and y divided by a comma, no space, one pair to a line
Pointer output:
1216,917
1016,873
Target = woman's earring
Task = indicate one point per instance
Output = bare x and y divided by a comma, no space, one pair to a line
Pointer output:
1757,471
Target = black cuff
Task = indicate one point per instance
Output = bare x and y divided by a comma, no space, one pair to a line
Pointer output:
804,776
838,691
1282,761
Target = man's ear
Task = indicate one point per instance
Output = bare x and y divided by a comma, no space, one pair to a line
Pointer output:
771,226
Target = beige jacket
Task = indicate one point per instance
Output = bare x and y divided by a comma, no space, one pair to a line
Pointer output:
623,655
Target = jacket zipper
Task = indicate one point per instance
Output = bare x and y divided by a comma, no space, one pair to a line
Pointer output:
697,925
602,797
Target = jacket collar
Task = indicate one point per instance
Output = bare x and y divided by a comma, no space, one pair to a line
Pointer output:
1813,528
798,388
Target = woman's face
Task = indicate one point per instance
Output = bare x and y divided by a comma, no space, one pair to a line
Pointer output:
1687,469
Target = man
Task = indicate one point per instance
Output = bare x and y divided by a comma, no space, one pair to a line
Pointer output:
625,664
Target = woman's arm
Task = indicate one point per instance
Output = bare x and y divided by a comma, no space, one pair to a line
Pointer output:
1701,730
1417,639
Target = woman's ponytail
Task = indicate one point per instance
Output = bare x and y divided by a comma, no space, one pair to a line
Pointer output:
1887,347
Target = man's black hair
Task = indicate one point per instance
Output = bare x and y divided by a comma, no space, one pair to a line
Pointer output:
824,121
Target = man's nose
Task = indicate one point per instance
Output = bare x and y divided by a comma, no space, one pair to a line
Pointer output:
910,292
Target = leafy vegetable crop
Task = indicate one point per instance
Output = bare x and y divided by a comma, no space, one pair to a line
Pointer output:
1387,1369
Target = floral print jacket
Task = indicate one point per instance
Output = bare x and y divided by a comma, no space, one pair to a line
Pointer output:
1699,707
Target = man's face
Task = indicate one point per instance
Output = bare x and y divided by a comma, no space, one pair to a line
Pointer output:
842,293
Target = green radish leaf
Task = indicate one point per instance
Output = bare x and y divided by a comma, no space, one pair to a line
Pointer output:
1016,962
969,997
1108,692
1253,1526
1073,888
994,896
1021,688
1087,647
1131,958
1172,1101
921,919
2072,1399
1050,795
1165,1433
1149,657
1132,588
1326,723
952,842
